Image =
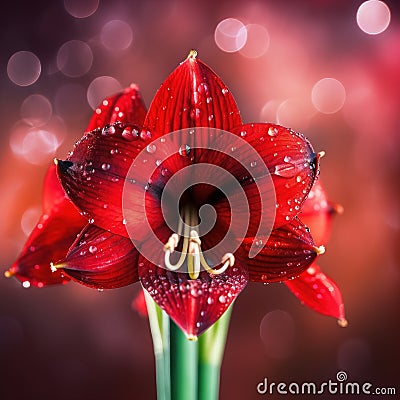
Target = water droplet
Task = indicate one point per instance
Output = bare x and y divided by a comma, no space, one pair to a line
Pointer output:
144,135
124,221
151,148
222,299
114,151
225,91
272,131
108,130
210,300
26,284
253,164
285,170
105,167
92,249
243,133
91,221
209,100
184,150
287,158
158,162
211,117
298,178
233,148
129,133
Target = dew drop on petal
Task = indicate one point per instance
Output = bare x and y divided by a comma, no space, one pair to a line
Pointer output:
92,249
272,131
26,284
105,167
184,150
222,299
151,148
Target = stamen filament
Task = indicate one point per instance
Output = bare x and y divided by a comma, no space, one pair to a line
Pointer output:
191,248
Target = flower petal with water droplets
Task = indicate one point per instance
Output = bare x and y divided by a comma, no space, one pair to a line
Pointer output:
194,304
290,160
287,252
50,240
192,96
94,177
126,106
100,259
317,213
318,292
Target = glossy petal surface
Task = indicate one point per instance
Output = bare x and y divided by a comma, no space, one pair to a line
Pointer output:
192,96
317,213
290,160
126,106
288,251
319,292
51,238
94,176
101,259
194,304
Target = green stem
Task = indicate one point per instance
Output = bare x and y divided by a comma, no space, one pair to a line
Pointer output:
186,369
159,326
183,365
211,350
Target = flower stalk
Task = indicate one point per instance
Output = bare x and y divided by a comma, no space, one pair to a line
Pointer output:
186,368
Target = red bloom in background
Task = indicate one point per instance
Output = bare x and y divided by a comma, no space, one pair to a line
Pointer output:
313,288
94,175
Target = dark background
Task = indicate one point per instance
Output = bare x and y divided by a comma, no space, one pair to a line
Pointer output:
71,342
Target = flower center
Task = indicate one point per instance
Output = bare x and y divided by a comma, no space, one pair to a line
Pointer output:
191,247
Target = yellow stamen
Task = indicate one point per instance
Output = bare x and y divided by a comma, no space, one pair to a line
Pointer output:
9,273
343,322
192,54
319,250
321,154
191,249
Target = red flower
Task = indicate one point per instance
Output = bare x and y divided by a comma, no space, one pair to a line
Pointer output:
97,176
315,289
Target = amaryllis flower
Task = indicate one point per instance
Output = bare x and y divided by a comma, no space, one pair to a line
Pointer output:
184,270
314,288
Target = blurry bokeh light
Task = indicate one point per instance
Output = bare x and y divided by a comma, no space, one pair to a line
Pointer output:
29,219
100,88
328,95
36,145
24,68
257,42
230,35
81,9
116,35
74,58
36,110
373,17
277,331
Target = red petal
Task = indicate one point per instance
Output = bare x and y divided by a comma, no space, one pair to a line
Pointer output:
126,106
292,163
194,304
101,259
192,96
50,240
94,177
319,292
317,213
288,251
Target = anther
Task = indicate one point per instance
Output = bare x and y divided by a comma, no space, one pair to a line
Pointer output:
319,250
227,261
9,273
172,243
343,322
